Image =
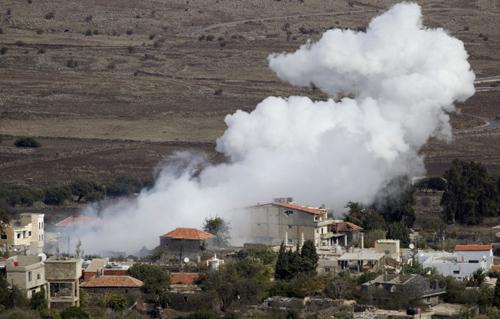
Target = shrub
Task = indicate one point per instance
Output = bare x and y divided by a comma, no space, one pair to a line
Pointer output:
15,195
39,31
3,50
218,92
130,49
123,185
20,43
96,32
26,142
210,37
130,32
74,313
72,63
154,277
83,189
114,301
41,51
88,18
1,31
56,195
49,16
201,37
152,36
88,33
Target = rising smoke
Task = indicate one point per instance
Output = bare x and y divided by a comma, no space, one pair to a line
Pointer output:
404,79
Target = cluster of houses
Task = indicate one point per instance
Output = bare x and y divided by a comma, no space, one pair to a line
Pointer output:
340,246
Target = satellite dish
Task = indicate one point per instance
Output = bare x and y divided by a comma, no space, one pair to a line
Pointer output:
186,260
412,246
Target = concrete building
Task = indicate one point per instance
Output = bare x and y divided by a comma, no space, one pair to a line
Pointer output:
362,260
25,234
99,285
186,242
27,273
343,233
289,222
461,264
389,247
63,275
399,291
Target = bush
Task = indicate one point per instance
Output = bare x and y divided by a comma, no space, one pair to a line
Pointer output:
26,142
123,186
130,32
210,37
3,50
49,16
74,313
57,195
88,18
72,63
114,301
20,43
88,33
15,195
83,189
154,277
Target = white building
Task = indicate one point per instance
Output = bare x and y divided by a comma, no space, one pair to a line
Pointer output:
25,234
462,263
27,273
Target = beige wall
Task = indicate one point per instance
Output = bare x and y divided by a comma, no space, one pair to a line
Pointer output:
270,225
27,278
26,232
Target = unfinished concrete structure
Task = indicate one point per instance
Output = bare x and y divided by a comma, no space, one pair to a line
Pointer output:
27,273
288,222
63,275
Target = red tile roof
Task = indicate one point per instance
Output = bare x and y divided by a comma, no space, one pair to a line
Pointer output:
189,234
183,278
495,267
294,206
473,247
112,282
78,220
344,226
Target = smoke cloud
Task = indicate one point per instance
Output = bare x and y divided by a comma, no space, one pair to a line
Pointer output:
403,79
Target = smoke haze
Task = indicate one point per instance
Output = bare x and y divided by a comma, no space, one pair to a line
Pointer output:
404,79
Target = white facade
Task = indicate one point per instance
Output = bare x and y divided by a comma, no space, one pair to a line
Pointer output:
25,234
460,264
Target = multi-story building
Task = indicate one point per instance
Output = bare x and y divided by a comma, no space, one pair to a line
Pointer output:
25,234
62,275
288,222
462,263
27,273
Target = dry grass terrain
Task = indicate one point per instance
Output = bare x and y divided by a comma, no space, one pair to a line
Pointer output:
113,86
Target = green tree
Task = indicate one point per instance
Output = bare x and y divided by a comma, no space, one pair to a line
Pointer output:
38,300
74,313
85,189
470,195
220,228
123,186
373,235
281,270
309,257
156,280
114,301
262,252
399,231
26,142
496,295
56,195
242,282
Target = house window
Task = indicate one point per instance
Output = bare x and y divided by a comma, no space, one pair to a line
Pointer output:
18,235
29,276
327,269
288,212
456,272
29,234
316,218
3,236
473,261
38,277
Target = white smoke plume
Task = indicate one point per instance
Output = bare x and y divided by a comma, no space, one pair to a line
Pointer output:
404,79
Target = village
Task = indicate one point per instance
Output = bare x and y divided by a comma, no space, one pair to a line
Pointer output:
381,279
